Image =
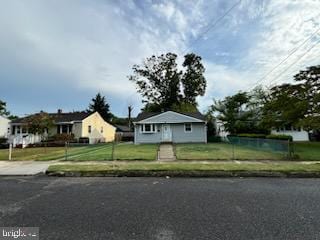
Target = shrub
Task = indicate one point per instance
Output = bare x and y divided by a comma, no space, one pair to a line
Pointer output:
280,137
63,137
3,140
83,140
214,139
251,135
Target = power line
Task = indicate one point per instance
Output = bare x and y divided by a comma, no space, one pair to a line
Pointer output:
212,25
280,63
304,54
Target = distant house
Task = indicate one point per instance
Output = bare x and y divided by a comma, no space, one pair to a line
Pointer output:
170,126
4,127
80,124
297,133
220,129
125,133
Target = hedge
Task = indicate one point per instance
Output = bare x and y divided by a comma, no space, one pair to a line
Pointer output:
251,135
280,137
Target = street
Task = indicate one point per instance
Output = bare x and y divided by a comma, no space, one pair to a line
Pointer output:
160,208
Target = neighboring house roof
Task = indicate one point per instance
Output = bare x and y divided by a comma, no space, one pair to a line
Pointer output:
146,115
59,117
122,128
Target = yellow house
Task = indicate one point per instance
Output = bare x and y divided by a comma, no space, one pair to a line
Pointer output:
81,124
96,129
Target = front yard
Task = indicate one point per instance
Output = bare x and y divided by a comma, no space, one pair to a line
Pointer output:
148,152
99,152
222,151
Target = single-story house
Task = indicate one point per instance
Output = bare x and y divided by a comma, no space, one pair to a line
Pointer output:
80,124
297,133
170,126
4,127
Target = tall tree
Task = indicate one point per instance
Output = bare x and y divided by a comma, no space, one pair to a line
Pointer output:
100,105
193,80
159,82
3,109
296,104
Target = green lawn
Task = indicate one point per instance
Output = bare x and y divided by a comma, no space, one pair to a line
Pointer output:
136,152
147,152
99,152
307,150
48,153
155,166
222,151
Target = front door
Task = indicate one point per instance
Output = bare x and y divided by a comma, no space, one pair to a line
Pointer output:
166,133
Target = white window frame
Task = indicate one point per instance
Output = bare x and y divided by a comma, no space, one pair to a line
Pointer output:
153,128
190,128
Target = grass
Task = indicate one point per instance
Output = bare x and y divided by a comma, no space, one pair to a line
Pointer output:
99,152
136,152
222,151
186,167
148,152
307,150
49,153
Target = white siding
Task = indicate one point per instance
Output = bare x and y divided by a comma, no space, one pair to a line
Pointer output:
4,125
296,135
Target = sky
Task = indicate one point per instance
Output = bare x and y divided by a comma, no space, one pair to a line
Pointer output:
59,54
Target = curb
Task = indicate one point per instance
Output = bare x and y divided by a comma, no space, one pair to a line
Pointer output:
186,174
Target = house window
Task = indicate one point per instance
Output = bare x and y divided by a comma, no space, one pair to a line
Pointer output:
101,130
89,129
18,130
187,127
148,128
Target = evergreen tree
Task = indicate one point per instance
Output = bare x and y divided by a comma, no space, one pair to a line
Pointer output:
100,105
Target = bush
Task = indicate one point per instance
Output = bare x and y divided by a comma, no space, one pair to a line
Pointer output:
3,140
63,137
280,137
251,135
214,139
84,140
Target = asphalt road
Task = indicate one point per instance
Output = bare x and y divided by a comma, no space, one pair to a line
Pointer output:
159,208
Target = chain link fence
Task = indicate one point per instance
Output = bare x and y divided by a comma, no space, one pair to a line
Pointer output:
275,146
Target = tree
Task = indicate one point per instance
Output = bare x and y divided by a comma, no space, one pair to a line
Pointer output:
100,105
211,128
240,113
39,123
193,81
160,82
296,104
3,109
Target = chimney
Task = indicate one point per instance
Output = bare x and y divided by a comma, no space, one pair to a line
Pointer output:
59,111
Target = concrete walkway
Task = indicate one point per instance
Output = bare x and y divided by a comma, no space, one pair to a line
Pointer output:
23,168
166,153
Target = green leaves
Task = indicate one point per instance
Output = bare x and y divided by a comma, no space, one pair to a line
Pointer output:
39,123
161,84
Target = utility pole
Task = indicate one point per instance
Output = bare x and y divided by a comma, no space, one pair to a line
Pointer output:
130,108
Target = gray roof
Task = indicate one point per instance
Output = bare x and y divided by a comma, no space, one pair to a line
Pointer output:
59,117
144,115
122,128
